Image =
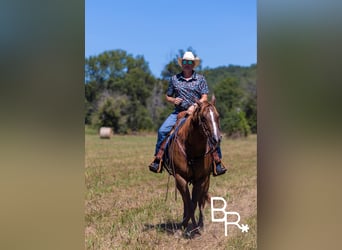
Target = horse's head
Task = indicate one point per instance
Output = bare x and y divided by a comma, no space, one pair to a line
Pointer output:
208,118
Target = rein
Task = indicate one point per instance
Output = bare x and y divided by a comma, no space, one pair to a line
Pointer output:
206,131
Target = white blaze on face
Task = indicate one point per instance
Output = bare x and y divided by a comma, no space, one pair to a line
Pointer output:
214,124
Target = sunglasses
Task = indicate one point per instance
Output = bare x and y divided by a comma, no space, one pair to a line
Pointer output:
184,62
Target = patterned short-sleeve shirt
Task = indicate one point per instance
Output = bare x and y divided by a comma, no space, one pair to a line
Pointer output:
189,90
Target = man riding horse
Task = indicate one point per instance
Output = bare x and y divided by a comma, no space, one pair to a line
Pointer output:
183,91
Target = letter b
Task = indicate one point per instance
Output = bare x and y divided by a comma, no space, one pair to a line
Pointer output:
223,209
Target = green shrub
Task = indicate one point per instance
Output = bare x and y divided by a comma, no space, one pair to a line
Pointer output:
235,124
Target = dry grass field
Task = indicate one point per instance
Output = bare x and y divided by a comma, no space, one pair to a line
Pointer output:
129,207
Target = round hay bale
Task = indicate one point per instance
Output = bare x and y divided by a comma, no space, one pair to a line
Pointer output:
106,132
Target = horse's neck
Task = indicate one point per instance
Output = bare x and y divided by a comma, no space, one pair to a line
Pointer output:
194,137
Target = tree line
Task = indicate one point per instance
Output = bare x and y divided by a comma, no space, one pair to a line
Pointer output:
122,93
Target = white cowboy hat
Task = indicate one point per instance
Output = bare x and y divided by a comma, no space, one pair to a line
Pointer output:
189,56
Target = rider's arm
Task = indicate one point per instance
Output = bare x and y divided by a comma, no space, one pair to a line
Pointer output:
173,100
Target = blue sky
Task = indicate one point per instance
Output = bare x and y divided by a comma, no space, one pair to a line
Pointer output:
222,32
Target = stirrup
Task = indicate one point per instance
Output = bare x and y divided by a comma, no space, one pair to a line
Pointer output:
223,167
153,163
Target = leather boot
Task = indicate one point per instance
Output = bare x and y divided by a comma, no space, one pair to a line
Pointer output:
218,168
156,164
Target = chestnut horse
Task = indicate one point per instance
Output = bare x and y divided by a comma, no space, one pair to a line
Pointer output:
189,160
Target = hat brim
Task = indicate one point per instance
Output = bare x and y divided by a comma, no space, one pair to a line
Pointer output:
197,61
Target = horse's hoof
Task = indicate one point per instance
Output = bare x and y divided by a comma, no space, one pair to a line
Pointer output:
194,233
187,234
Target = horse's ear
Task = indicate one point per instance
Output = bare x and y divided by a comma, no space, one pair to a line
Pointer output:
213,100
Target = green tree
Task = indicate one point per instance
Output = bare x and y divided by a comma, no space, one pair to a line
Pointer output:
112,112
235,124
246,78
121,91
115,76
250,109
229,95
139,118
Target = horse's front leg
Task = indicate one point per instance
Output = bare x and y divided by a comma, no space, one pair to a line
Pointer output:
196,194
202,199
186,217
192,207
184,191
200,219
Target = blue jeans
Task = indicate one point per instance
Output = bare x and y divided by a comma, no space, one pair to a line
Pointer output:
166,127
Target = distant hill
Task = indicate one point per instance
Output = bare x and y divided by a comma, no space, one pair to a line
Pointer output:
245,75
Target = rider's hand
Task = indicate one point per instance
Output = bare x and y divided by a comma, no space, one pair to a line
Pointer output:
191,109
177,101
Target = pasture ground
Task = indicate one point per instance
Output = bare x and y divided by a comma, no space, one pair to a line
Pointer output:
125,205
